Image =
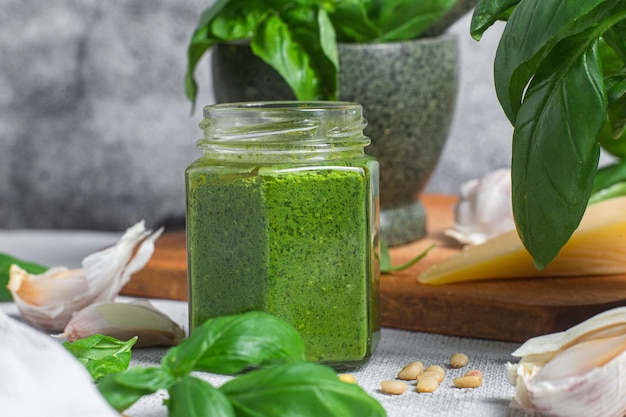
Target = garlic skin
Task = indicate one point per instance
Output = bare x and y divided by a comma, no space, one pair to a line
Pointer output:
484,208
125,321
41,378
48,300
579,372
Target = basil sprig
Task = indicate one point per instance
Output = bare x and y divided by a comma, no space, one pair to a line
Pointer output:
102,355
282,383
299,38
551,81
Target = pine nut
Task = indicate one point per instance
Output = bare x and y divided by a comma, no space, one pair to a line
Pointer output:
432,374
349,378
474,372
392,387
427,384
458,360
467,382
411,371
436,368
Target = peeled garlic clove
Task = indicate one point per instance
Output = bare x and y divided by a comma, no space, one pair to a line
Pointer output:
41,378
484,208
125,321
48,300
540,349
575,373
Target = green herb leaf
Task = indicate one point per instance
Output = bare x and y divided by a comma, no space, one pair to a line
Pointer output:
200,42
529,37
305,389
386,266
548,77
487,12
5,265
230,344
408,19
294,50
124,389
193,397
102,355
351,22
555,147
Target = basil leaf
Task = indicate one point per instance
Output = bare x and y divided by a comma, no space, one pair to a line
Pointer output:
124,389
555,147
230,344
294,51
616,37
616,92
529,37
304,389
612,191
193,397
609,175
200,42
235,22
5,265
351,22
408,19
386,266
102,355
487,12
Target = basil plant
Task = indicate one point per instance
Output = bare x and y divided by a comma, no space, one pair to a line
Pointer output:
560,77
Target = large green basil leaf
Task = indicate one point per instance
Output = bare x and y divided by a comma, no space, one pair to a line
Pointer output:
275,44
201,40
555,147
237,21
616,38
5,265
230,344
303,390
351,22
193,397
124,389
408,19
534,28
102,355
487,12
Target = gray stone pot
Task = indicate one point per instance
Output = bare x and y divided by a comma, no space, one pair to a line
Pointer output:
408,91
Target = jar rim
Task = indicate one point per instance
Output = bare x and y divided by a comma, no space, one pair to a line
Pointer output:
282,106
274,127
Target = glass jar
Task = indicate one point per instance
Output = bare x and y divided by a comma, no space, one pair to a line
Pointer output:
282,216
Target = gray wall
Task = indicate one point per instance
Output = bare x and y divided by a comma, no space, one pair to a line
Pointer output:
95,131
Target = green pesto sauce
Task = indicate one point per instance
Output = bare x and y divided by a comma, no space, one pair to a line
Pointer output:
295,243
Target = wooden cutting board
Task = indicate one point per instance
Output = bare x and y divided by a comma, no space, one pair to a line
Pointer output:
507,310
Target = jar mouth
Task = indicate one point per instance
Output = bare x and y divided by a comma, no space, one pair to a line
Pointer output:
279,126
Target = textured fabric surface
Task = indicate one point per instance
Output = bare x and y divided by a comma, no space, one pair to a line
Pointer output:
396,349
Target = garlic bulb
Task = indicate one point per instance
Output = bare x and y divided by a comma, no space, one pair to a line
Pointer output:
48,300
579,372
125,321
484,208
40,378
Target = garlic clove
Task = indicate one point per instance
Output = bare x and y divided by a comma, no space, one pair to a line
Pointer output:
41,378
484,208
541,348
124,321
48,300
578,372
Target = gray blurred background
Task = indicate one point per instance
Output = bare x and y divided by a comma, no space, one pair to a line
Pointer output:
95,131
